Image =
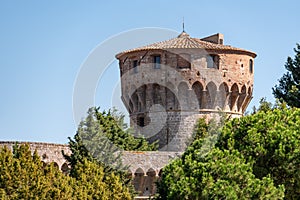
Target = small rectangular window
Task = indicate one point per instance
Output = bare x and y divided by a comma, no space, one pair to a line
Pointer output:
251,66
210,61
135,66
156,62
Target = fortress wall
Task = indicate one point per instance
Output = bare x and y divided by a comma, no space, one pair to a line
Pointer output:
48,152
144,167
145,160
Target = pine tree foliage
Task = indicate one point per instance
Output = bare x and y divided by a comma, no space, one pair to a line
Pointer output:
113,126
288,88
24,176
255,157
271,141
101,137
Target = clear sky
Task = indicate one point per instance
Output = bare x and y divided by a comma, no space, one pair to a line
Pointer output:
44,43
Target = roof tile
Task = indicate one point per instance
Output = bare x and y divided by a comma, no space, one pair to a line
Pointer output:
184,41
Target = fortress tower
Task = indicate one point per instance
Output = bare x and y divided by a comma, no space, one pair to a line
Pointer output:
168,85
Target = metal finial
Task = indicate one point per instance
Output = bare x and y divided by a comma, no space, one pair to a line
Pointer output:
183,24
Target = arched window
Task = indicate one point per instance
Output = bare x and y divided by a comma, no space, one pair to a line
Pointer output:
251,66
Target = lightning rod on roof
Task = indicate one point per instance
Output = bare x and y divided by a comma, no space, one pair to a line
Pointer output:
183,24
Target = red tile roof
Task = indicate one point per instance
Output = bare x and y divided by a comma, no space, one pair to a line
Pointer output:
184,41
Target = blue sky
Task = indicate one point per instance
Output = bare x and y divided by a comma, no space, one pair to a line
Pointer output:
44,43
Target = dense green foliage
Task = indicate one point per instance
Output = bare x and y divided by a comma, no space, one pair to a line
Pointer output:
288,89
25,176
218,175
113,126
100,139
255,157
270,140
101,135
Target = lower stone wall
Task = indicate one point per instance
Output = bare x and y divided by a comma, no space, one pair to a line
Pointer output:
48,152
144,167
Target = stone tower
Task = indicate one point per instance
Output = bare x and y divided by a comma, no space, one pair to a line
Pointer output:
168,85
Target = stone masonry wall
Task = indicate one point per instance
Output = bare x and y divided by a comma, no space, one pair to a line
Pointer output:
144,167
164,103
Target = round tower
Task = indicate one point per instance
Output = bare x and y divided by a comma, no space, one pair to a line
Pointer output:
168,85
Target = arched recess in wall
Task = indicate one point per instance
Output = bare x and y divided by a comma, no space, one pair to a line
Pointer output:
250,92
156,94
183,95
65,168
142,92
149,184
241,98
160,173
198,90
223,96
141,97
126,99
129,174
138,180
139,106
135,101
130,106
171,101
55,165
233,97
132,98
211,90
248,99
44,164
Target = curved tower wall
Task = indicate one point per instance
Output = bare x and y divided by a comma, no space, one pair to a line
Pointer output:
164,101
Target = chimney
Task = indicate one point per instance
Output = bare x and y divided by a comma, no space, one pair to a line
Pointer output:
216,38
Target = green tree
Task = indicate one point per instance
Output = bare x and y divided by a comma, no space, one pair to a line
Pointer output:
24,176
264,106
256,157
288,89
271,141
92,182
101,136
113,126
100,139
218,175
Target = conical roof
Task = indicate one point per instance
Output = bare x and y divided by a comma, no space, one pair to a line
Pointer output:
184,41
